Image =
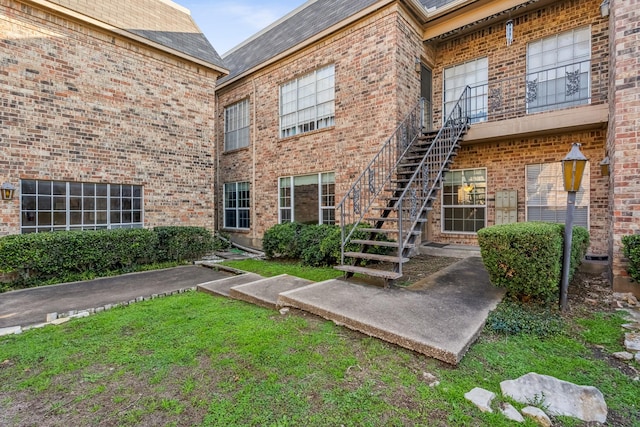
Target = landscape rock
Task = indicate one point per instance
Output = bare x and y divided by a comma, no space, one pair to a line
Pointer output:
52,316
637,357
60,321
511,413
623,355
558,397
284,310
632,341
537,415
430,379
481,398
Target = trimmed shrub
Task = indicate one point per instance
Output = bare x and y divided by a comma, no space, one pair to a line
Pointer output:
526,258
183,243
312,251
283,241
43,256
314,244
631,250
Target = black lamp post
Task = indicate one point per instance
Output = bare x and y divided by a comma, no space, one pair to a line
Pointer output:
572,170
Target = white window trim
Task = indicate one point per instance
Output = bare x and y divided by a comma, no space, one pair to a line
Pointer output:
479,92
443,206
294,128
586,179
237,209
583,62
321,208
236,109
68,211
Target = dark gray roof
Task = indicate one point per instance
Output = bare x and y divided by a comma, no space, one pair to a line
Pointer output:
309,20
160,21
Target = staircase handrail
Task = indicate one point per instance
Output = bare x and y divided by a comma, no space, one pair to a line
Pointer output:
455,124
380,170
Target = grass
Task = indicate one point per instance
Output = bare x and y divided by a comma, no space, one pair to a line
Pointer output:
276,268
193,359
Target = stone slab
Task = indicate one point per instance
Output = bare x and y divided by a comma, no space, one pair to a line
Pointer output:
441,321
266,292
222,286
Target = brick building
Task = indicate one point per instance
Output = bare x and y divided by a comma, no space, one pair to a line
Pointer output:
106,115
310,100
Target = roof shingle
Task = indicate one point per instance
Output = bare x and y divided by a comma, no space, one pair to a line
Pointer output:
160,21
310,19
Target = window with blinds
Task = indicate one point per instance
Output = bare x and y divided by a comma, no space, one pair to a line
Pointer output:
546,198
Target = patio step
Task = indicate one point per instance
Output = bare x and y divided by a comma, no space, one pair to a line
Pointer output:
388,275
376,257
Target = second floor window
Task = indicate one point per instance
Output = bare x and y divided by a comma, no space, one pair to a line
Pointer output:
473,74
558,71
236,126
307,103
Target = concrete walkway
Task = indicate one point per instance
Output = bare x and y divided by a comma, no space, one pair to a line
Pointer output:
441,316
30,306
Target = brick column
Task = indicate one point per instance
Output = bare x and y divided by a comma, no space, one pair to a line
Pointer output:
624,134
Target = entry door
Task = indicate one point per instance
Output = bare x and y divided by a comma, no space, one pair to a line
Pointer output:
426,91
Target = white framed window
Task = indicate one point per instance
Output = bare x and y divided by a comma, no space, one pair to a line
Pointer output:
559,71
464,201
237,205
236,125
308,103
309,199
59,205
474,74
545,196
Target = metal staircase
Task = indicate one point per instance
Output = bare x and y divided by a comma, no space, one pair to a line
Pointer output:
394,194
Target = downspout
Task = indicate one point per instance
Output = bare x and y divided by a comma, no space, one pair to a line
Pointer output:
253,164
216,175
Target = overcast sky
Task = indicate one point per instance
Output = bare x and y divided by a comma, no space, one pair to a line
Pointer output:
226,23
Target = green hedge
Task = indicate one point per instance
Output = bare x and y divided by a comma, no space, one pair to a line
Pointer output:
182,243
315,245
36,258
526,258
631,250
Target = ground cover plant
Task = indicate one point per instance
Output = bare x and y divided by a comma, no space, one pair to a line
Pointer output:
193,359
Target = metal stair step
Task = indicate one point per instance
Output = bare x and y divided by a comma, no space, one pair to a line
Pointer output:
379,243
385,231
376,257
389,275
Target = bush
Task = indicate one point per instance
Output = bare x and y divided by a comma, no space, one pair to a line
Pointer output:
282,241
316,245
44,256
526,258
55,257
183,243
631,250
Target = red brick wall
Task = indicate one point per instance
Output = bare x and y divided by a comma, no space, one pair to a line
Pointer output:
624,131
79,104
376,85
510,61
506,161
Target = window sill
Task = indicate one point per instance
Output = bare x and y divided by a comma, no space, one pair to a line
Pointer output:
237,150
300,135
236,230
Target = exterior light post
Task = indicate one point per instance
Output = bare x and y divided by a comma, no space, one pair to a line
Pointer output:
572,170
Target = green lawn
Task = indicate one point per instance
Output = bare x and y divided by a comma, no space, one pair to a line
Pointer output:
194,359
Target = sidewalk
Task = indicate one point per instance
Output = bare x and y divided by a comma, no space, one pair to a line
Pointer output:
30,306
